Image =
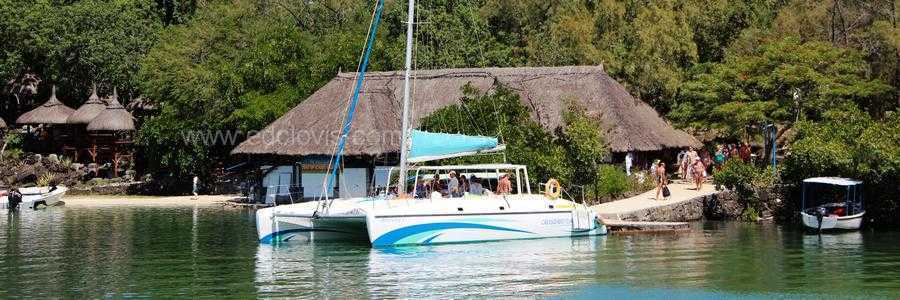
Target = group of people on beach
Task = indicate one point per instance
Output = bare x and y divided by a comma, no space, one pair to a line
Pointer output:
458,185
695,166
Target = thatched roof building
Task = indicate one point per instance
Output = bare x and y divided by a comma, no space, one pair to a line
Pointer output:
113,118
309,128
51,112
89,110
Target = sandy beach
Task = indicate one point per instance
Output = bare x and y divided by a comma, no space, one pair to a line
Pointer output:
125,200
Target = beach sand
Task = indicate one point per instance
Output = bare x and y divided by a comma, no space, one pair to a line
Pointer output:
126,200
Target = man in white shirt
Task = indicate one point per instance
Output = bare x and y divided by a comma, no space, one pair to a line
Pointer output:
629,159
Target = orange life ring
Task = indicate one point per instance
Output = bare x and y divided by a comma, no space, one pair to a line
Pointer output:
552,189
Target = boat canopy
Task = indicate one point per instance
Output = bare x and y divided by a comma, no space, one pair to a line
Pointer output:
833,181
428,146
821,191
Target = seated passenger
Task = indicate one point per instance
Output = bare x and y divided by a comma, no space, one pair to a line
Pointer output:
475,187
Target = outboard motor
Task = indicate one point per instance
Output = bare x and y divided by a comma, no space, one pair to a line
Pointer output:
820,213
14,198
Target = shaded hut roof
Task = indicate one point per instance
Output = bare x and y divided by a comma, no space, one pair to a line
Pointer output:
51,112
309,128
89,110
113,118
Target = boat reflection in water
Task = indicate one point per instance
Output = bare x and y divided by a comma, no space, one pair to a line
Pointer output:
445,271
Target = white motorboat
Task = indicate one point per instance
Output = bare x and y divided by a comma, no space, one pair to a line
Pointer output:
832,203
34,197
389,221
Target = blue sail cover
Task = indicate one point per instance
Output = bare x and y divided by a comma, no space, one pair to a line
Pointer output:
432,146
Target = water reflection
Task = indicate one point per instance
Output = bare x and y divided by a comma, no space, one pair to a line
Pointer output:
208,252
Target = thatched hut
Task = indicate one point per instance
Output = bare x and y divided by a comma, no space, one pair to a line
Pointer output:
111,133
75,141
89,110
52,112
305,135
46,124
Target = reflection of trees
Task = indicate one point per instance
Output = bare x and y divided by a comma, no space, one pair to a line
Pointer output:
156,252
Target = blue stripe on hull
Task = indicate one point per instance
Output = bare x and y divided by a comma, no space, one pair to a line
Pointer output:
274,237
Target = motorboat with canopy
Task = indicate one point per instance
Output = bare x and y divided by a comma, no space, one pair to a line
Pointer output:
401,218
832,203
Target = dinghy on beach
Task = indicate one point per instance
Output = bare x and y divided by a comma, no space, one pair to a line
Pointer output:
33,197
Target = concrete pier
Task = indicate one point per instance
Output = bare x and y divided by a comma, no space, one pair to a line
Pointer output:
643,213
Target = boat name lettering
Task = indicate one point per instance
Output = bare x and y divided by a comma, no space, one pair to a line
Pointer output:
558,221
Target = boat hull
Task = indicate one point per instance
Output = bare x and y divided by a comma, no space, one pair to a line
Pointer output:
276,227
33,197
440,229
425,222
852,222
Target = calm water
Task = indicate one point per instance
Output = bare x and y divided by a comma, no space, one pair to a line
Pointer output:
196,252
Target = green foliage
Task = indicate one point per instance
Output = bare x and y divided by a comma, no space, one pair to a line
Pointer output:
585,147
849,143
235,68
747,182
499,113
612,182
75,43
782,82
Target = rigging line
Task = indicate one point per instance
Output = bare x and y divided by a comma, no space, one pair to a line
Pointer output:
347,105
345,130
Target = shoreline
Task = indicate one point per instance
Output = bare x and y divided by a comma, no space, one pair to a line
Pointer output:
145,201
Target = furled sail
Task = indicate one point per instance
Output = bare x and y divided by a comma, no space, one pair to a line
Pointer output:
427,146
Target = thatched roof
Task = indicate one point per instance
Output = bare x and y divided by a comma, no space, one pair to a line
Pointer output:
310,128
51,112
113,118
89,110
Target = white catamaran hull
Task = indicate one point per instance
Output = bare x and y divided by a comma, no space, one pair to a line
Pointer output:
35,196
832,222
424,222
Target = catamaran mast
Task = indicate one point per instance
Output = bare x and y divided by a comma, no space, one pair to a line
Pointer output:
404,142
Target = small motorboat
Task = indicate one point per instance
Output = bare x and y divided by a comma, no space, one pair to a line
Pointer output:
32,197
832,203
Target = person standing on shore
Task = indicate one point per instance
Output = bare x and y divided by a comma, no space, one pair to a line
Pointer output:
196,187
629,159
745,152
661,178
698,173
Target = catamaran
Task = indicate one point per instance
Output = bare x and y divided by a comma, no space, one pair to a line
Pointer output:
511,211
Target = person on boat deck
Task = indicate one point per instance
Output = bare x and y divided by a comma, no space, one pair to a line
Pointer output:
661,179
463,185
421,188
504,187
453,185
475,187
